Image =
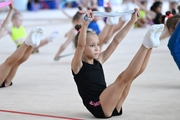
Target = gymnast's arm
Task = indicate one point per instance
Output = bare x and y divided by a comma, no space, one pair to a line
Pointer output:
118,38
7,32
153,14
69,32
76,63
165,34
77,59
6,21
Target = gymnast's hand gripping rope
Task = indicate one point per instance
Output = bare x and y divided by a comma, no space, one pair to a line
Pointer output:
105,14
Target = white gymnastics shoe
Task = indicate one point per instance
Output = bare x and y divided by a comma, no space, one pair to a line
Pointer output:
28,40
151,38
53,36
112,20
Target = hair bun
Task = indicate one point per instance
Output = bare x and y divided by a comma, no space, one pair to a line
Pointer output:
78,27
79,7
168,13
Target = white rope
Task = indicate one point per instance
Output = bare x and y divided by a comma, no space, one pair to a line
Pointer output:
105,14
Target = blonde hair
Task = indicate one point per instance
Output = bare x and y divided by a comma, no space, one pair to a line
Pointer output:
15,15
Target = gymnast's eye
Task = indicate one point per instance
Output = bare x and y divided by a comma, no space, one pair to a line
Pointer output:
91,45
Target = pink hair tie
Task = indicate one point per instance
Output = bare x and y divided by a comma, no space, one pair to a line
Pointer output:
169,16
107,5
90,8
79,30
80,11
4,4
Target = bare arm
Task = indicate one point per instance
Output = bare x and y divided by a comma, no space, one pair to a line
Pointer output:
69,32
151,13
140,5
6,21
77,59
118,38
9,32
165,34
65,44
76,63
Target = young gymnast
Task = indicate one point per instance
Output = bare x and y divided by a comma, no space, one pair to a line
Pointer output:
157,8
9,68
18,33
172,26
173,6
100,100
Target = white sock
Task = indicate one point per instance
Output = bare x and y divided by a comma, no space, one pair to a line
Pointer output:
158,34
109,21
53,36
37,37
151,39
112,20
28,40
126,18
116,20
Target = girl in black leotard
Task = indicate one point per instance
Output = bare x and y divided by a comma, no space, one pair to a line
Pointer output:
101,100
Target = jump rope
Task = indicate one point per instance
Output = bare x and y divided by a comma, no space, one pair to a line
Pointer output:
105,14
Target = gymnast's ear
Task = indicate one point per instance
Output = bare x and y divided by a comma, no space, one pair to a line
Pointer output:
171,30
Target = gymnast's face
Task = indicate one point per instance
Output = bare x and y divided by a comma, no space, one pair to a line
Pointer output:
92,48
18,20
159,9
173,5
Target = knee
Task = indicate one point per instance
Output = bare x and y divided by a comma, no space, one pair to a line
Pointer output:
22,60
9,62
141,71
123,78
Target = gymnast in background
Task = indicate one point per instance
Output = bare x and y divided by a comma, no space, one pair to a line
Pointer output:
9,68
18,32
172,30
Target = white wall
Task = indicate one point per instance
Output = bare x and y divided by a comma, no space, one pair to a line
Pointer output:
20,4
